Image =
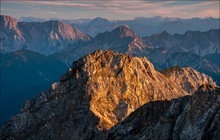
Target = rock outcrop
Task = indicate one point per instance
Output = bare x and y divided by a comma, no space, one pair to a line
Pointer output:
120,80
188,117
188,78
100,90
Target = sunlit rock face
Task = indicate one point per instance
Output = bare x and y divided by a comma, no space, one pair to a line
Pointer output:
115,79
99,90
188,78
188,117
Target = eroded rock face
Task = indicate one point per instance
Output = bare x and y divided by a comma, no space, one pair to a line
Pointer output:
114,79
188,78
188,117
99,90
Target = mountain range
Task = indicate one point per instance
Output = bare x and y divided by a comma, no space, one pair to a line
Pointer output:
122,39
147,26
200,43
45,38
102,89
35,54
143,26
163,50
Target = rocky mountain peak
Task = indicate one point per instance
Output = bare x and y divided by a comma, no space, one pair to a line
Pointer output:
123,40
97,92
7,22
55,24
165,33
124,31
190,33
99,21
67,31
60,26
51,36
10,36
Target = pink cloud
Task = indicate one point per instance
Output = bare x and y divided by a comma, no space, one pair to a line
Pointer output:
183,9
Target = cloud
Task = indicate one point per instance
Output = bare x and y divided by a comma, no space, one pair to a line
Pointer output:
164,8
61,3
119,8
51,3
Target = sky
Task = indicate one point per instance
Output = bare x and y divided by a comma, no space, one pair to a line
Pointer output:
110,9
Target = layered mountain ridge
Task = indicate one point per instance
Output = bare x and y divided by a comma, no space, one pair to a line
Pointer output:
163,50
196,49
147,26
122,39
45,38
200,43
98,91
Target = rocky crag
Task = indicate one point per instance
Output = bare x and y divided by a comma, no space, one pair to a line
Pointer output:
99,90
188,78
188,117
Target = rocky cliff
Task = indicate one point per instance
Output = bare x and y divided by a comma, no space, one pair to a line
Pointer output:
98,91
188,78
188,117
